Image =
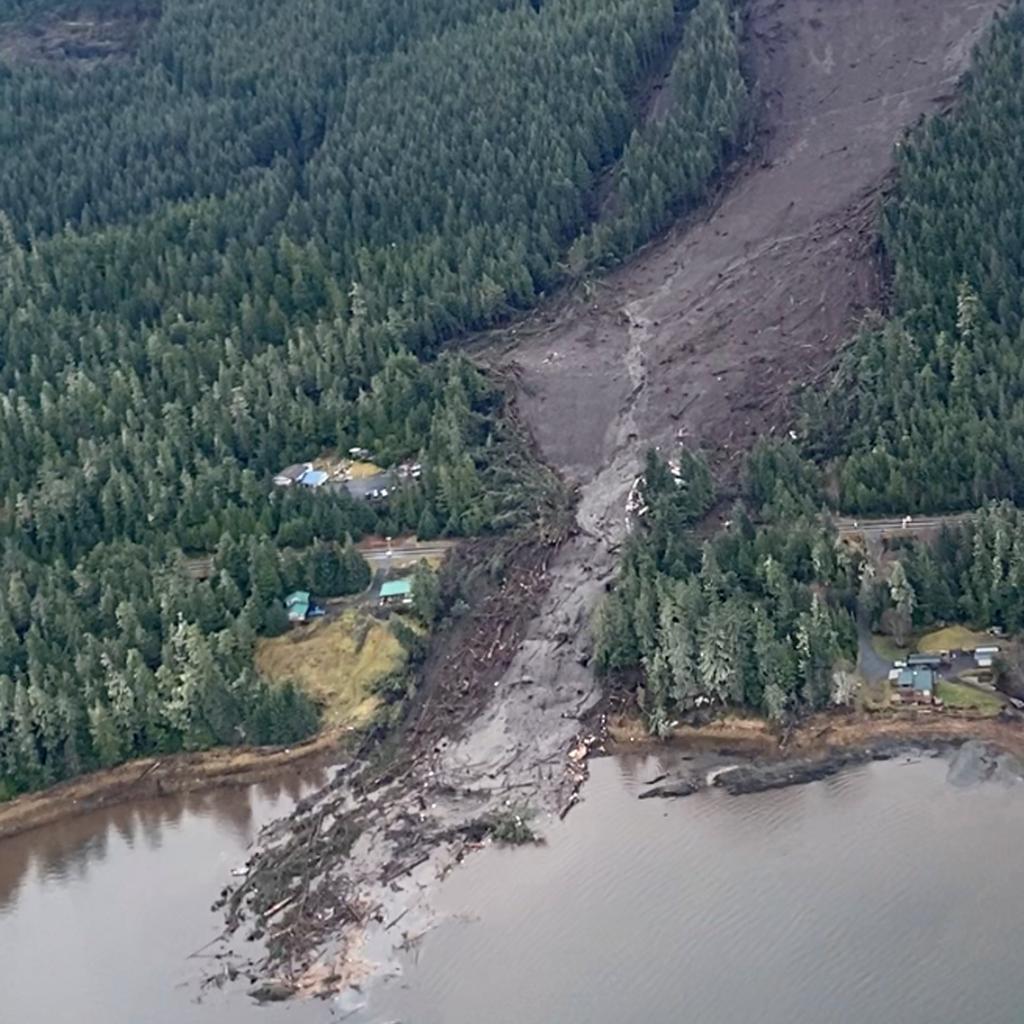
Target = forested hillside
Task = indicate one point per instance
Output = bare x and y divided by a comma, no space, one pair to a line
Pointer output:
755,617
671,160
239,240
927,413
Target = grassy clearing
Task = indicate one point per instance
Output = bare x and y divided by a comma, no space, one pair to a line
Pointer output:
952,638
959,695
336,662
888,648
361,470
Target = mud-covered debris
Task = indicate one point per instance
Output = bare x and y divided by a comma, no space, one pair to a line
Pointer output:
678,787
272,991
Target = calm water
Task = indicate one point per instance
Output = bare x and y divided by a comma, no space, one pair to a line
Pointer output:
884,895
98,915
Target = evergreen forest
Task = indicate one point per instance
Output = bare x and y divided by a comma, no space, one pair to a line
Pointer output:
925,415
927,411
758,616
240,240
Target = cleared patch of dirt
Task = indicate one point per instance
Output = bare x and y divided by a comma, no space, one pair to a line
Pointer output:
78,37
704,335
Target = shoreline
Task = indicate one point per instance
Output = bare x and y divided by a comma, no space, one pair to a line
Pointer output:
151,777
822,746
826,738
827,730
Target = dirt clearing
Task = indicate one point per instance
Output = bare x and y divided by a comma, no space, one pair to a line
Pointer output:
78,36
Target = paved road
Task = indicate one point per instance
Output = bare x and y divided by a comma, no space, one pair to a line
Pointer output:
872,666
379,555
906,526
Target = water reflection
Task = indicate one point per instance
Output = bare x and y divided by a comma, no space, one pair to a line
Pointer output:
108,906
65,851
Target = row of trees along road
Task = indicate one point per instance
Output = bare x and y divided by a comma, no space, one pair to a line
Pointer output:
973,572
243,243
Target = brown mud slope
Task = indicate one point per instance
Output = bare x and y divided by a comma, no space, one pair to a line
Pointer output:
702,336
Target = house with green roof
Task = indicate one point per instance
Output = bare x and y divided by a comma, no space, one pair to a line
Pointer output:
298,605
916,684
396,592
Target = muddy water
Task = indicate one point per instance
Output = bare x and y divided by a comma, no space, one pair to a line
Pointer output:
885,894
99,914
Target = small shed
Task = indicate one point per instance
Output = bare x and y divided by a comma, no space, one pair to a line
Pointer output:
396,592
298,605
985,656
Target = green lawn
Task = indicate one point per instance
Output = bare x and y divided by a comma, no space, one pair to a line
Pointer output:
959,695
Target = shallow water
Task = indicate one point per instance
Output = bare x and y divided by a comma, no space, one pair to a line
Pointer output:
884,894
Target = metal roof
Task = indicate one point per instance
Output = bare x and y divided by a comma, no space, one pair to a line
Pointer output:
919,678
297,597
313,478
396,588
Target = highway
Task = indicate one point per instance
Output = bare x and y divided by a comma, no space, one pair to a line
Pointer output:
377,556
905,526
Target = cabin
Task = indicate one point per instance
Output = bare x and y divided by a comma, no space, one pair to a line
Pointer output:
916,684
302,473
301,607
298,604
292,475
396,592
